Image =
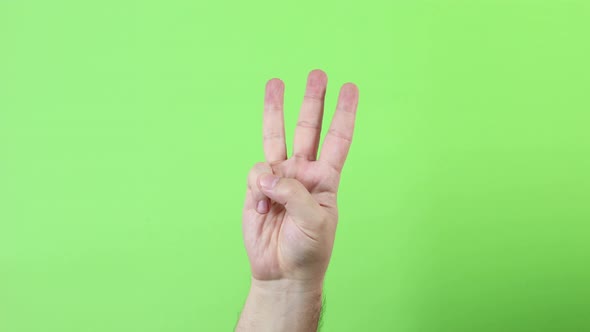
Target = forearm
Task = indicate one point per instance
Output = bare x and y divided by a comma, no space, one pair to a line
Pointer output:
282,306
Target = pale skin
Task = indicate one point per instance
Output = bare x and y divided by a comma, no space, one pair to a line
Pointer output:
290,212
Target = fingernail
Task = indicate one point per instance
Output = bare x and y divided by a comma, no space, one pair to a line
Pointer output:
269,181
262,206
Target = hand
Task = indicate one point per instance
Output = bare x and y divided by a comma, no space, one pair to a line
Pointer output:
290,212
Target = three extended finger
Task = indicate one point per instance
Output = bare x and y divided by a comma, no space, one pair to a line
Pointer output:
339,137
273,135
309,125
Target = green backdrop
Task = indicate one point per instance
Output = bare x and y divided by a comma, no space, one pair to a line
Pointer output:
127,129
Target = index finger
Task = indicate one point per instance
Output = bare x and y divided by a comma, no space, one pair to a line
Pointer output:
273,122
339,137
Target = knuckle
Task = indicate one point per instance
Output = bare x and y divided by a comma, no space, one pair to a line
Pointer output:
338,134
290,191
301,155
309,124
273,136
291,187
272,107
314,96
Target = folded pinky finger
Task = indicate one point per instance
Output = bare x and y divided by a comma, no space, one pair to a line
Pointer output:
258,201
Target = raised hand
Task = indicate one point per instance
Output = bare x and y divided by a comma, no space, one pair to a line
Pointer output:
290,212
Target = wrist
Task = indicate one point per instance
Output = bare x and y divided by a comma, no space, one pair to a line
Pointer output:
282,305
288,286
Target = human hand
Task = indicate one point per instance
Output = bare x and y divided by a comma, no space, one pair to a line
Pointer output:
290,212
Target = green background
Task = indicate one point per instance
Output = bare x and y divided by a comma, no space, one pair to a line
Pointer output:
127,129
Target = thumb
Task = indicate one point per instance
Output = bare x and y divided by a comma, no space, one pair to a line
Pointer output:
292,194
